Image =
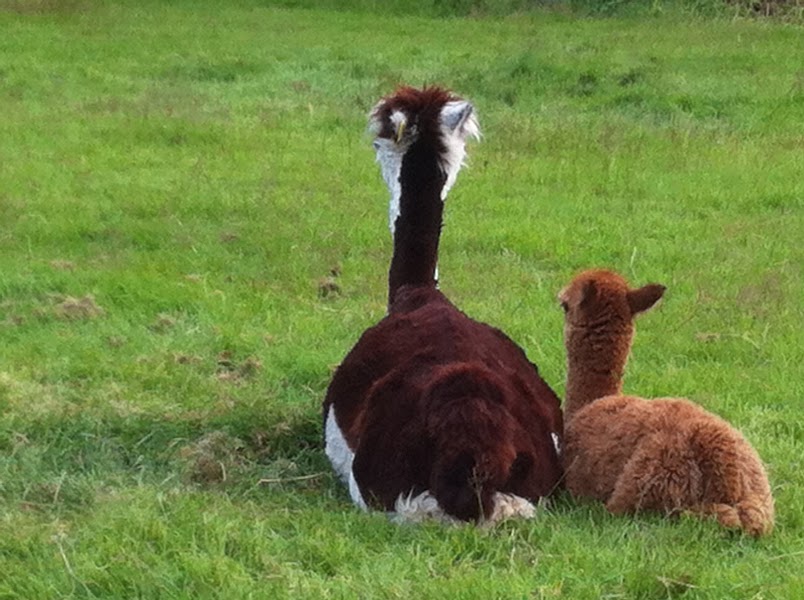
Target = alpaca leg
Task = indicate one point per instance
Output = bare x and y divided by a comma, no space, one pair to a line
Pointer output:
626,498
661,475
633,485
728,516
752,516
756,515
737,484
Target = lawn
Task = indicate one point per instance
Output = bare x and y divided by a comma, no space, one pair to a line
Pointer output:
193,234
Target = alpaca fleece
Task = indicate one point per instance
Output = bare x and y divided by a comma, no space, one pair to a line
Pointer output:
667,455
452,406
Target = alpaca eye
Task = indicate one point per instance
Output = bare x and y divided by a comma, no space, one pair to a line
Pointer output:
376,145
564,306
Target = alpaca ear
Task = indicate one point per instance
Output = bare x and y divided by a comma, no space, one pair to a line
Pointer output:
588,293
645,297
458,116
574,297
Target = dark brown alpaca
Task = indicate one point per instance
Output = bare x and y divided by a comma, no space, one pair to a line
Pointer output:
432,414
667,454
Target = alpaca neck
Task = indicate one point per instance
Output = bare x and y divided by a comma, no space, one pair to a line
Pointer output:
417,226
595,366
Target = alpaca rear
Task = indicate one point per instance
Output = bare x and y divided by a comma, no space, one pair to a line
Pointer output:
667,455
481,448
450,419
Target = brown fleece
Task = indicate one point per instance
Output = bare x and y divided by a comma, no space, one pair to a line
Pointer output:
667,455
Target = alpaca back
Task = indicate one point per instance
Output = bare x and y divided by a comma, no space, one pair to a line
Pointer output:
668,455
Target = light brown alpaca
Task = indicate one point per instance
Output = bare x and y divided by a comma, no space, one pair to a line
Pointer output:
667,455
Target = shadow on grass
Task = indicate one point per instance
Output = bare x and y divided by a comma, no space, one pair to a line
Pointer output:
61,464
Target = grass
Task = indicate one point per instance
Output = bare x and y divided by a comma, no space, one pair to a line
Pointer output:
194,235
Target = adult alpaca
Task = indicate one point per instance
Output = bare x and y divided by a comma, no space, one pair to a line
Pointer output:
666,455
432,414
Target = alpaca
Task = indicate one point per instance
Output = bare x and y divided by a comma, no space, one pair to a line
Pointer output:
433,415
668,454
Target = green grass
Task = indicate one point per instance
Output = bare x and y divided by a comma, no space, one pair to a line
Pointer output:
178,179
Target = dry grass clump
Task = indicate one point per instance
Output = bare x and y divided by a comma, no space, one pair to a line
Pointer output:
214,459
163,323
233,371
76,309
62,265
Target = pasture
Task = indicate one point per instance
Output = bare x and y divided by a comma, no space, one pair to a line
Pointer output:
193,233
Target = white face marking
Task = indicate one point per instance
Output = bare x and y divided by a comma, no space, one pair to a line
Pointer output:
398,119
389,156
390,160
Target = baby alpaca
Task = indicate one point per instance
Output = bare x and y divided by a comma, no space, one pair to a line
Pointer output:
667,455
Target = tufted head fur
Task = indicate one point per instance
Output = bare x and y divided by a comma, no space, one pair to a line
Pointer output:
432,117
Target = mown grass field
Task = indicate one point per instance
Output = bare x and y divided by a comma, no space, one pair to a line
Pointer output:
193,234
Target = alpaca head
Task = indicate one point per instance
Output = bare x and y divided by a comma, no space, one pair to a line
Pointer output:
599,298
432,119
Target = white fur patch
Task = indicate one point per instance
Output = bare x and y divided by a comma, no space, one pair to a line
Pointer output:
398,118
336,448
354,492
510,506
417,509
389,158
556,443
425,507
458,123
341,457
